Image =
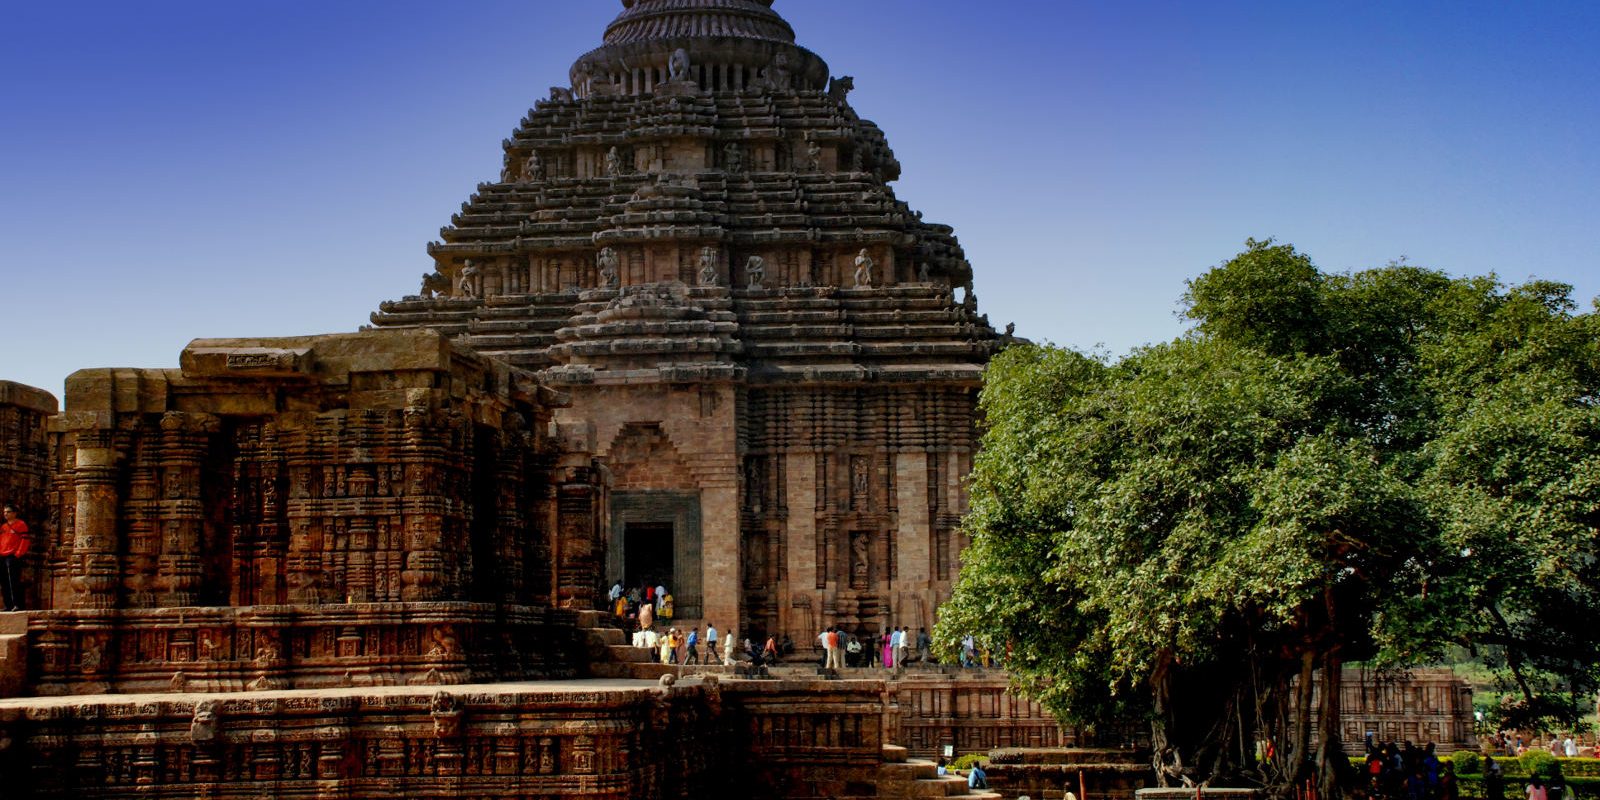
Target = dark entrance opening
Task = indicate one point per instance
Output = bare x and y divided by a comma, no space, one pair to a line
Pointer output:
647,554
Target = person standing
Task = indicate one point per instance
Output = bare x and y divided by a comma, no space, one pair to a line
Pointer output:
924,646
694,647
711,643
901,645
13,548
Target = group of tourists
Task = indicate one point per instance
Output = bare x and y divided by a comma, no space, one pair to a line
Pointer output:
646,603
675,646
1408,772
842,649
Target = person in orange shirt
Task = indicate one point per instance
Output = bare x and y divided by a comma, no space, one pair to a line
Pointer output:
13,546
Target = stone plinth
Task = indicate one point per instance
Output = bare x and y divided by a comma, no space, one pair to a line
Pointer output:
1119,774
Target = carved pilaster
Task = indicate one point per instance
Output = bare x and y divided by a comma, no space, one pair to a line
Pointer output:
94,562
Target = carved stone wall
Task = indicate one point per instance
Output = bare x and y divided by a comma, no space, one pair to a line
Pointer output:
739,739
25,464
1421,705
341,510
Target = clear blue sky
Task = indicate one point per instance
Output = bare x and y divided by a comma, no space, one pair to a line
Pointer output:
185,168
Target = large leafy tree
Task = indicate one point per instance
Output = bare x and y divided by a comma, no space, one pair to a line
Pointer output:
1330,467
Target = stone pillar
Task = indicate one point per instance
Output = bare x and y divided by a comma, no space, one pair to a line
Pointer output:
579,555
94,547
913,535
801,553
183,450
719,546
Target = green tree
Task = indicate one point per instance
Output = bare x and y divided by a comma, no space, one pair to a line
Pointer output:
1329,468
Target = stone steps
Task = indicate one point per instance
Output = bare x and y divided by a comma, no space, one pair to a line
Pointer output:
13,653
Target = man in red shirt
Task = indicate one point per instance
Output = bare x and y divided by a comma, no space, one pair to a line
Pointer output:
13,546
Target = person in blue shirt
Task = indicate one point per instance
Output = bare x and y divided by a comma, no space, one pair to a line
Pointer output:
977,778
694,647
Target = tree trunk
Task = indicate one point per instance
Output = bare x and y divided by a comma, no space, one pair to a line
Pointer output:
1330,753
1301,750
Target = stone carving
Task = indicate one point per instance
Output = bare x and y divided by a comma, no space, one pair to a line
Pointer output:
860,567
613,163
839,88
560,94
864,267
813,156
468,285
446,713
608,263
755,271
533,168
708,266
776,77
434,283
678,66
203,727
922,274
733,157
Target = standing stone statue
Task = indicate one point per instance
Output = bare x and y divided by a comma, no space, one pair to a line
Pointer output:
708,266
533,168
813,156
756,271
922,273
864,267
469,280
734,157
678,67
613,163
608,263
776,76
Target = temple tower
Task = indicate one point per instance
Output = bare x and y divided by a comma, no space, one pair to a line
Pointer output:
696,238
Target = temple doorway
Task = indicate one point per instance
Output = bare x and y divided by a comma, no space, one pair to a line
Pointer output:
647,555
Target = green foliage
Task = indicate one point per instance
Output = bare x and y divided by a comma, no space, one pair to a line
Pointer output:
1370,466
1539,764
1466,761
964,763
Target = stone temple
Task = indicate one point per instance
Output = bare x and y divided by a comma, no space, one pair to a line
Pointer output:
689,336
698,243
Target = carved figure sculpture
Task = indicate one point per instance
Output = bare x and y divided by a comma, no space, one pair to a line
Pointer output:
813,156
708,266
608,264
678,67
734,157
776,76
756,271
613,163
446,713
203,728
560,94
922,273
864,266
434,284
533,168
839,88
859,567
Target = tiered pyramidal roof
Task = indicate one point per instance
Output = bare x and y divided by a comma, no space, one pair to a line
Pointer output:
704,178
